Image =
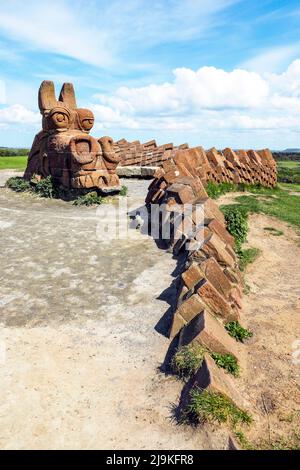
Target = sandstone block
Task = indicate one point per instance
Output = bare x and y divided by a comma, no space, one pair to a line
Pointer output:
192,275
210,333
216,302
215,247
181,193
211,210
188,309
216,226
211,377
214,273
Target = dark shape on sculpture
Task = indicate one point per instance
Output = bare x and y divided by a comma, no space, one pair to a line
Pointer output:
65,150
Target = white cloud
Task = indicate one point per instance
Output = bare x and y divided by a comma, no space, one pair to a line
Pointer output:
208,106
61,27
206,88
272,60
103,32
18,114
208,99
107,117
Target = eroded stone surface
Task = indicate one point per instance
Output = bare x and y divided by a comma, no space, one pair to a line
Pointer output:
65,150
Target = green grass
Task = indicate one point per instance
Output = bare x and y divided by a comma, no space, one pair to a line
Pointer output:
124,191
237,331
274,231
288,172
13,163
237,224
288,164
210,406
290,186
246,289
45,188
247,256
285,207
227,362
243,441
216,190
18,184
88,199
187,360
275,202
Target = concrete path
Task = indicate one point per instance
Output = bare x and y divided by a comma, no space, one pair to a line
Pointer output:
78,347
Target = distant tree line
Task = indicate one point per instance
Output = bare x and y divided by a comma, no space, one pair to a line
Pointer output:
286,156
11,152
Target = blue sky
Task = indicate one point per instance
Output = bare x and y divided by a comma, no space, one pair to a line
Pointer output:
208,72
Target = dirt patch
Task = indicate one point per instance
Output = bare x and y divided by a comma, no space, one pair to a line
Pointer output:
270,381
272,312
229,198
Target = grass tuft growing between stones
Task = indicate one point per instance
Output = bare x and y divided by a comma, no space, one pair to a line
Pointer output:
237,331
187,360
207,406
227,362
88,199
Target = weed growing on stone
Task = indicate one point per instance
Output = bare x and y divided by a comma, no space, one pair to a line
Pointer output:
187,360
211,406
227,362
237,331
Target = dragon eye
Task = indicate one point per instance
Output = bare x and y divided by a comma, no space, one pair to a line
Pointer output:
60,117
